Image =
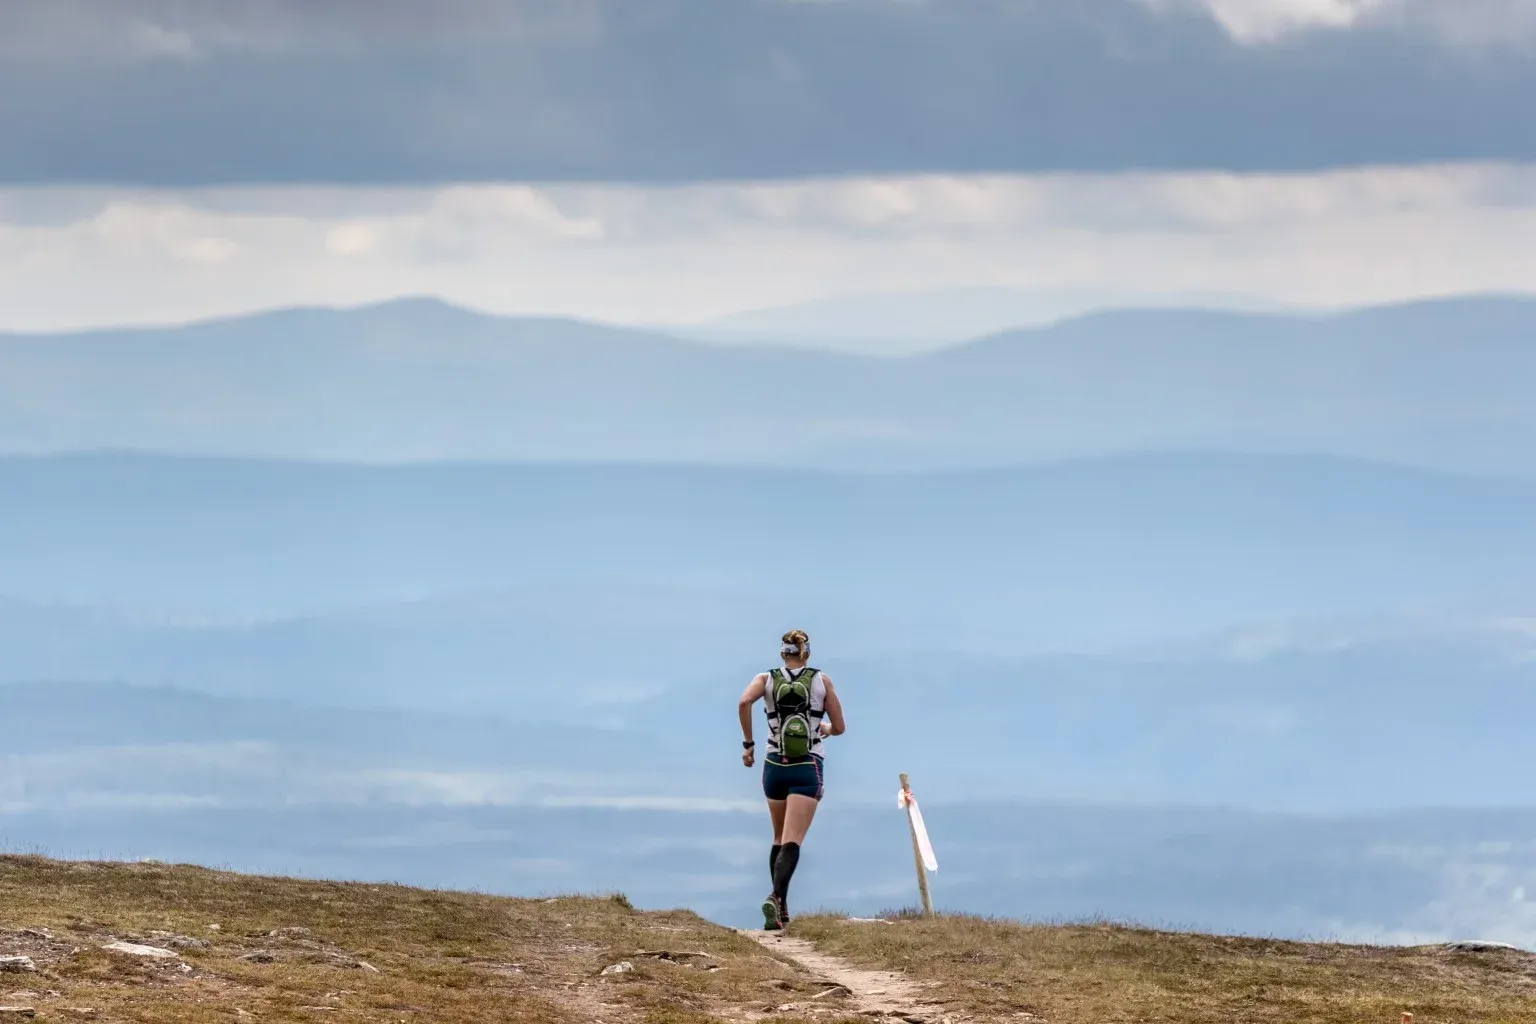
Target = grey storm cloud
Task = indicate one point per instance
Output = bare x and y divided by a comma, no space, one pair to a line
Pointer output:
238,91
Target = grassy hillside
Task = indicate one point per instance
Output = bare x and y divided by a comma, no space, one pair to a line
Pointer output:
1113,975
270,949
287,950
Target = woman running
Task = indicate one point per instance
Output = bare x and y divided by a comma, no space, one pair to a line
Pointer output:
802,710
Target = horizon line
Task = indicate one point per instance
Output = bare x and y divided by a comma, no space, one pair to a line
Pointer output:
689,333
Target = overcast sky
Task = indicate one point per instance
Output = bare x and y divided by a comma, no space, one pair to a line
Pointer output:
674,160
675,255
186,92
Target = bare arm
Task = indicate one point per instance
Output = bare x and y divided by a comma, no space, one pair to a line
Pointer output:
751,695
834,709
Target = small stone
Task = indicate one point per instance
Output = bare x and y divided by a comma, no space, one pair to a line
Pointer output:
1479,946
134,949
16,1012
622,967
17,964
260,956
365,965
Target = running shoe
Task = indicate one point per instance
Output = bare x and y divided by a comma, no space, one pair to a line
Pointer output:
773,914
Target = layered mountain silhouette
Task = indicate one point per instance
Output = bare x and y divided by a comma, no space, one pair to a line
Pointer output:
1073,554
414,591
1446,384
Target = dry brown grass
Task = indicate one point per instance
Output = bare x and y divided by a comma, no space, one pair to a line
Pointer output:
289,950
292,950
1117,975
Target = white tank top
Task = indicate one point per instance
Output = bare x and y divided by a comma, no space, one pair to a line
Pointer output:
818,706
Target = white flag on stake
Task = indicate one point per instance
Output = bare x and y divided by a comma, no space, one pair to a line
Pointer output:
904,798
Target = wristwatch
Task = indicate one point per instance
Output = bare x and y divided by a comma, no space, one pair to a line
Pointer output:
748,744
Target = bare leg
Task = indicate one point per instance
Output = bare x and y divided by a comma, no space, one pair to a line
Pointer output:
795,819
776,810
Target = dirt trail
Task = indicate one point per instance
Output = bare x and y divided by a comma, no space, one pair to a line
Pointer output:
877,994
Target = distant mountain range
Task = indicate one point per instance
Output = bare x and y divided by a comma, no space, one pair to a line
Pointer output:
461,671
917,321
1445,384
637,600
1067,556
1361,727
523,677
506,805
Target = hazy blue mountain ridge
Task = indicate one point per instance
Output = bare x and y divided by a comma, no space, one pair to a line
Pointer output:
522,675
1119,550
1411,876
1391,724
1439,383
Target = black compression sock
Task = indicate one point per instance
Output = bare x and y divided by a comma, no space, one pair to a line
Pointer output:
784,870
773,858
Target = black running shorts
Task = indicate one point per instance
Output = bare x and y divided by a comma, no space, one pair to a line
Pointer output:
803,778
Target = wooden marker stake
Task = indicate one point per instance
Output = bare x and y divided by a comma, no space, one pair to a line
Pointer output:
917,854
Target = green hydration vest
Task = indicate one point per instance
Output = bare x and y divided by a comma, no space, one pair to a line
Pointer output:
793,721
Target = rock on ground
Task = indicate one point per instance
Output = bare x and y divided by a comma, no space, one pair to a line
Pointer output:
134,949
1479,946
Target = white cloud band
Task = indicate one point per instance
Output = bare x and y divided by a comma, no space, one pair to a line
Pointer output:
680,254
1462,22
